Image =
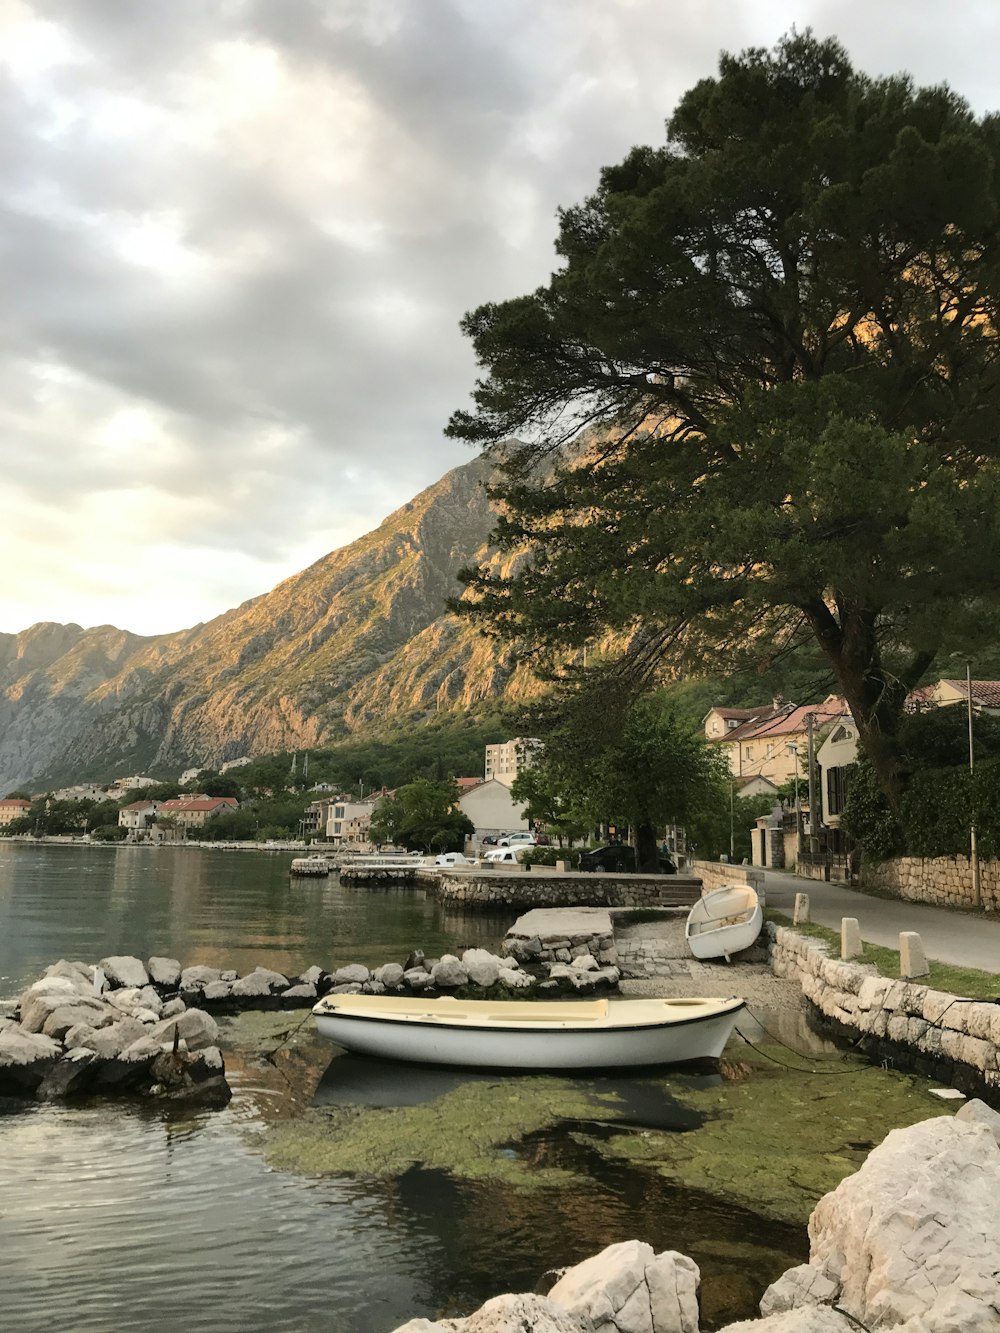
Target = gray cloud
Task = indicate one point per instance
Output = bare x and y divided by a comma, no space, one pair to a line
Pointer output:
238,236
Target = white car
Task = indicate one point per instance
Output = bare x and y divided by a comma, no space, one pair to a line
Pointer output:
517,840
505,855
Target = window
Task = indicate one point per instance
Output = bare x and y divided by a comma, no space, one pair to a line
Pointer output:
770,752
836,790
748,752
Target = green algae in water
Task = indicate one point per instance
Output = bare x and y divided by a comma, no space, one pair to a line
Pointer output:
781,1139
465,1132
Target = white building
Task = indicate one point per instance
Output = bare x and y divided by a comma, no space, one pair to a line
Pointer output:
505,761
138,816
241,762
492,809
190,774
348,822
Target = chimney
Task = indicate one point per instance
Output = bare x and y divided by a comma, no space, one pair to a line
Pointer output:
776,702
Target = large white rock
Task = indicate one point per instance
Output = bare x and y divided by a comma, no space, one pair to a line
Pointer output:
914,1235
164,971
483,967
813,1319
979,1113
522,1313
627,1288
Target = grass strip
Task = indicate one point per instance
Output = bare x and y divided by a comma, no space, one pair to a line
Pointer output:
945,977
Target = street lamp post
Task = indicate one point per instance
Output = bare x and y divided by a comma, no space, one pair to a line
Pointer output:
977,888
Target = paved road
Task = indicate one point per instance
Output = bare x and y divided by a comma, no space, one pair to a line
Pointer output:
947,936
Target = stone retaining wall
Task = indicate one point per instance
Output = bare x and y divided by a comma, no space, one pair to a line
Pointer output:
945,881
916,1028
713,874
524,891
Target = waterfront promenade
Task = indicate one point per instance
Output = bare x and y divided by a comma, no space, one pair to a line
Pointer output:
965,939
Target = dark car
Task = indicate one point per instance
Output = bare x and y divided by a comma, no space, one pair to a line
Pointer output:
619,858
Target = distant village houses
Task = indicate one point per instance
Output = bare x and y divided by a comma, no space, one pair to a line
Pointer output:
13,807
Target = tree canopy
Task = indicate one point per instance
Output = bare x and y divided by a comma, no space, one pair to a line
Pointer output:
628,763
779,330
422,816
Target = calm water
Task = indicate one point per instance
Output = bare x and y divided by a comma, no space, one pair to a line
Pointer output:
119,1218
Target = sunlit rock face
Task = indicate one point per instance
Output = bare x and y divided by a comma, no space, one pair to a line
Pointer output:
359,637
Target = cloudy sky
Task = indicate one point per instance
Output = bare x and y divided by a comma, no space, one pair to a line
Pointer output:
237,237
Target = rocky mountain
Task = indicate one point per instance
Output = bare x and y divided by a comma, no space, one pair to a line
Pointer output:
360,638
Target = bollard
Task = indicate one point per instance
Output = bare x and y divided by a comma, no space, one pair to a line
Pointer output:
912,959
850,937
561,867
800,912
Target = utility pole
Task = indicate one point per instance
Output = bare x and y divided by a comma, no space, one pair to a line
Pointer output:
813,835
977,887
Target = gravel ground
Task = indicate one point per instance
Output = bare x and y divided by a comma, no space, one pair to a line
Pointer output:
677,973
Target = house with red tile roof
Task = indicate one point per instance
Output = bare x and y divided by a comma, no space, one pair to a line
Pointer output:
13,807
942,694
772,741
192,811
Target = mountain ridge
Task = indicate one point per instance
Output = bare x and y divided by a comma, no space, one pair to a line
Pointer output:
359,637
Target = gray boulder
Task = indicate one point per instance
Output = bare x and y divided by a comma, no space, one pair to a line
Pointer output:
217,990
68,1075
449,974
195,979
25,1057
390,975
124,970
196,1027
262,981
311,976
307,991
109,1042
172,1008
417,978
67,1016
164,971
352,972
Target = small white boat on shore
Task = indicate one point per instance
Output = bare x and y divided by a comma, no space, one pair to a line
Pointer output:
540,1034
724,921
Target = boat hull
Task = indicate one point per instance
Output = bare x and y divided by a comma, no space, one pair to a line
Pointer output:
710,935
560,1045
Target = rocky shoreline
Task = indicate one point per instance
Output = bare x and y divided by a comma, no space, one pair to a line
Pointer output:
909,1242
148,1029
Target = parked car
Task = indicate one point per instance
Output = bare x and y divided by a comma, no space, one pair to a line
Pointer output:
542,840
517,840
619,858
490,840
505,855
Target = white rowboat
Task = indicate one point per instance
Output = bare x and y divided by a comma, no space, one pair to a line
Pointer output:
724,921
541,1034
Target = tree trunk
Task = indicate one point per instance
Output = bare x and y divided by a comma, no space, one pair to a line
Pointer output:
647,852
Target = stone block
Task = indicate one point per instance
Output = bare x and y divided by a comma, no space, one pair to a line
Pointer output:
912,959
850,937
800,912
